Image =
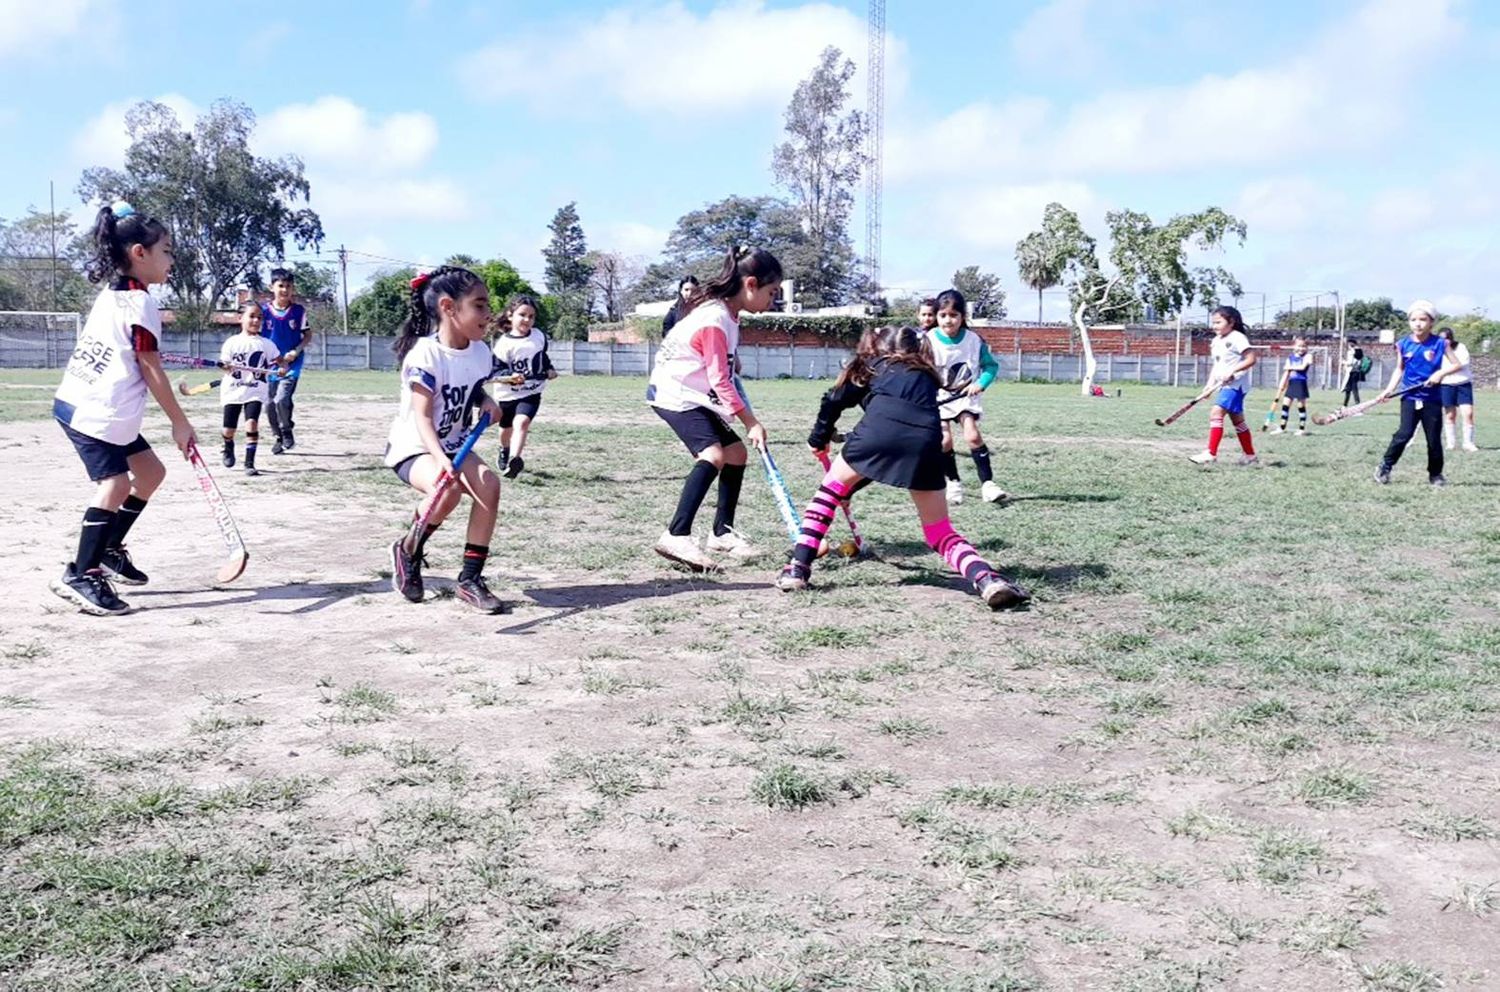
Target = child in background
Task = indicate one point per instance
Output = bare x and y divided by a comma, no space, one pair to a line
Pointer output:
521,371
1457,391
967,369
898,442
692,389
285,325
1294,386
241,391
927,314
1355,366
444,366
1233,360
1422,360
102,400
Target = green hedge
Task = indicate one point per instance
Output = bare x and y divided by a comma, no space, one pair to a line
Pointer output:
838,330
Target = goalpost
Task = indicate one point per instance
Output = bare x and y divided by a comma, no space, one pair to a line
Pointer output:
37,339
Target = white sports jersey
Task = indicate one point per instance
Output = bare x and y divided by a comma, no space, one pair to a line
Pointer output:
102,393
958,364
246,387
695,364
455,377
1461,356
525,356
1229,351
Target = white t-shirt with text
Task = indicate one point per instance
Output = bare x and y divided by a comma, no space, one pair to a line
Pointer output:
253,350
103,394
1229,351
455,378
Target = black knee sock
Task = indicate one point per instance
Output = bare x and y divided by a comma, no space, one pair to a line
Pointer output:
421,539
252,441
950,466
1286,413
474,559
981,456
1302,417
125,518
693,492
731,478
94,538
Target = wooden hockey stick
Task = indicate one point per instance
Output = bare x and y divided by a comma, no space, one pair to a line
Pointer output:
1169,418
1358,409
234,565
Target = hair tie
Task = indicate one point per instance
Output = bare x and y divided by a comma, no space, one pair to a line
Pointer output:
121,209
420,281
740,251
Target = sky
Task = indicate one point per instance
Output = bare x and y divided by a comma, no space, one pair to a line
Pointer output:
1357,139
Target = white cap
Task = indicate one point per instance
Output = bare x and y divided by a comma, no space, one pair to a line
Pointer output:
1422,306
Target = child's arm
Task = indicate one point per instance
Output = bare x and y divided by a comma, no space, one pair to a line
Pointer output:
166,398
711,344
1390,387
989,368
488,405
421,408
833,404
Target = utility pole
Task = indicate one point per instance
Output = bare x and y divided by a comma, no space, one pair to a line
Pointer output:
52,226
344,270
875,142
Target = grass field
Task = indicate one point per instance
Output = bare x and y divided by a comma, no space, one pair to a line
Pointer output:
1246,737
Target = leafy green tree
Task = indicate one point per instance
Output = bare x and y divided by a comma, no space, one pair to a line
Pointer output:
982,292
38,282
1374,315
12,294
820,163
567,269
1039,262
230,212
382,306
1473,329
504,281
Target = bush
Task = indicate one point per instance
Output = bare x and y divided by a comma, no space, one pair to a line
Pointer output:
837,330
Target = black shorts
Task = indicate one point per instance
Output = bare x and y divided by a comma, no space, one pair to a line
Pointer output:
526,406
232,413
403,468
698,428
102,459
1296,389
1458,394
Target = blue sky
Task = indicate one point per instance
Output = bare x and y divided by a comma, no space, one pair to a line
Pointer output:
1357,138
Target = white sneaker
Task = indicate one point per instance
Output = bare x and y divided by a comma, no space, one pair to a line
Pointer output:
955,492
1278,430
1302,432
731,542
1447,445
1470,446
992,492
682,549
1203,458
1249,459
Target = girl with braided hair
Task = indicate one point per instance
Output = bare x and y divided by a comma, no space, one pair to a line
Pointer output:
444,365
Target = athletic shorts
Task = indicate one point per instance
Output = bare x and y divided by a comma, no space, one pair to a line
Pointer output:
526,406
403,468
1296,389
1458,394
232,413
101,459
698,428
1230,400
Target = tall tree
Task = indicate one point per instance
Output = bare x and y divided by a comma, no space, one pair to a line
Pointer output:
230,212
820,163
567,269
381,307
982,291
612,278
1038,261
42,279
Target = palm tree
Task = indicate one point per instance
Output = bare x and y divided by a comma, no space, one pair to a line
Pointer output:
1040,268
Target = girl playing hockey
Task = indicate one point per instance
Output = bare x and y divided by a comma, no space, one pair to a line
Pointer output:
1422,360
898,442
443,372
1233,360
245,392
967,369
521,371
1293,386
692,389
102,401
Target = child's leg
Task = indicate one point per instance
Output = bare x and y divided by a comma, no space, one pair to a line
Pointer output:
1432,426
1242,431
1450,422
517,443
483,486
99,521
1402,437
1286,411
424,475
231,421
505,435
1466,414
837,485
252,434
1215,429
731,480
978,450
1302,415
950,462
938,531
706,468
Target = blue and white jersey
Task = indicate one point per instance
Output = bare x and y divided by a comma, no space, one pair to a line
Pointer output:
1419,359
285,330
1228,351
253,351
1297,366
455,377
525,356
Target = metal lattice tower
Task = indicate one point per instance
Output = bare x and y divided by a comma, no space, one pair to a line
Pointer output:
875,141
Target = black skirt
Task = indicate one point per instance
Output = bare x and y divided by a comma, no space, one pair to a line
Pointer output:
899,444
1296,389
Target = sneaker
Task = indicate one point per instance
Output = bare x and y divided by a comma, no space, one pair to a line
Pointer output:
278,447
1279,430
955,492
1203,458
794,577
90,592
682,549
1438,481
288,442
1249,460
474,592
999,593
731,542
1302,432
251,470
117,564
228,456
1447,445
1470,446
992,492
1383,475
514,466
406,572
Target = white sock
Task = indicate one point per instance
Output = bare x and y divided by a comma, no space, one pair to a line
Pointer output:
1468,433
1447,435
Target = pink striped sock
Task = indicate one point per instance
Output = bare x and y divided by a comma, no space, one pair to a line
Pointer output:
819,517
958,553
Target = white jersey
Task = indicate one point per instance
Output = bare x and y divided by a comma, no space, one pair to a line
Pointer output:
1460,355
695,363
103,394
246,387
1229,351
958,365
455,378
520,356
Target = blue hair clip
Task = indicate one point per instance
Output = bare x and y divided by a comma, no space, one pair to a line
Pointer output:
121,209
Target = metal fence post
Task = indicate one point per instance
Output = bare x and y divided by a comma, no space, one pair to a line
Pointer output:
610,361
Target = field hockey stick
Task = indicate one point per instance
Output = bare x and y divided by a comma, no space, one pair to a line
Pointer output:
859,541
1271,413
448,478
234,565
781,494
198,390
1345,412
1171,417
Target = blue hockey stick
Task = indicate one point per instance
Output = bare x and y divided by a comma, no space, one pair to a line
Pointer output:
448,478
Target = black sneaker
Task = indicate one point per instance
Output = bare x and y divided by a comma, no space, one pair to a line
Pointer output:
278,447
250,468
1000,593
117,564
90,592
288,442
514,466
1438,481
474,592
228,455
1383,475
406,572
794,577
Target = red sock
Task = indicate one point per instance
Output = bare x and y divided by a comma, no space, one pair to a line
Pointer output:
1215,432
1242,430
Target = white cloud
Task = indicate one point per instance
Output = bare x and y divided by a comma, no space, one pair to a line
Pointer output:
28,27
102,141
1396,211
630,238
996,217
1284,205
335,131
355,201
671,61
